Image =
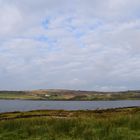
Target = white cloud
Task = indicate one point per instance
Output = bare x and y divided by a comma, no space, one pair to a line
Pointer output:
10,19
84,44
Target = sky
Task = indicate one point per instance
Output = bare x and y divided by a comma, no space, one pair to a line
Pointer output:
70,44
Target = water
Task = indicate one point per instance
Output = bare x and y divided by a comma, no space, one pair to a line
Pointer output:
26,105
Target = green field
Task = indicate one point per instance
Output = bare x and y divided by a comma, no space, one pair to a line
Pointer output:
111,124
69,95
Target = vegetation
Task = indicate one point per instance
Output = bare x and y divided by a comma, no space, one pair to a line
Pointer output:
18,95
111,124
69,95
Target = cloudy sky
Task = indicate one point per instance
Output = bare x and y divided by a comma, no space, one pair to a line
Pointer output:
71,44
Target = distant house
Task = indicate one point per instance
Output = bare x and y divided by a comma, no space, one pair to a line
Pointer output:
46,95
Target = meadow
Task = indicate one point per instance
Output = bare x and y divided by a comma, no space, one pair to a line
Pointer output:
110,124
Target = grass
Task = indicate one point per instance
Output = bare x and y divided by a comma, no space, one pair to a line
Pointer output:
112,124
17,95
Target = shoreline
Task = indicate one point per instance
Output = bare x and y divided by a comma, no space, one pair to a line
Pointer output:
68,99
64,113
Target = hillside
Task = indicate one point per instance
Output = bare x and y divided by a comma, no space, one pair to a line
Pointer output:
59,94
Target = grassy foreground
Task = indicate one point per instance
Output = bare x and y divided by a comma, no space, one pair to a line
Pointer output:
112,124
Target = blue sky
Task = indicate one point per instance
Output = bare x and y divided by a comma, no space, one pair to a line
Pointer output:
77,44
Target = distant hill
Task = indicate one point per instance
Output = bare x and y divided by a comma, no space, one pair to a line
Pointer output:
61,94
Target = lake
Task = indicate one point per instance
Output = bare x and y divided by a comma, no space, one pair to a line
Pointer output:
26,105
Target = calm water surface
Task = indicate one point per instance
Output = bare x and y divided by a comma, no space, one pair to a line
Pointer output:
26,105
